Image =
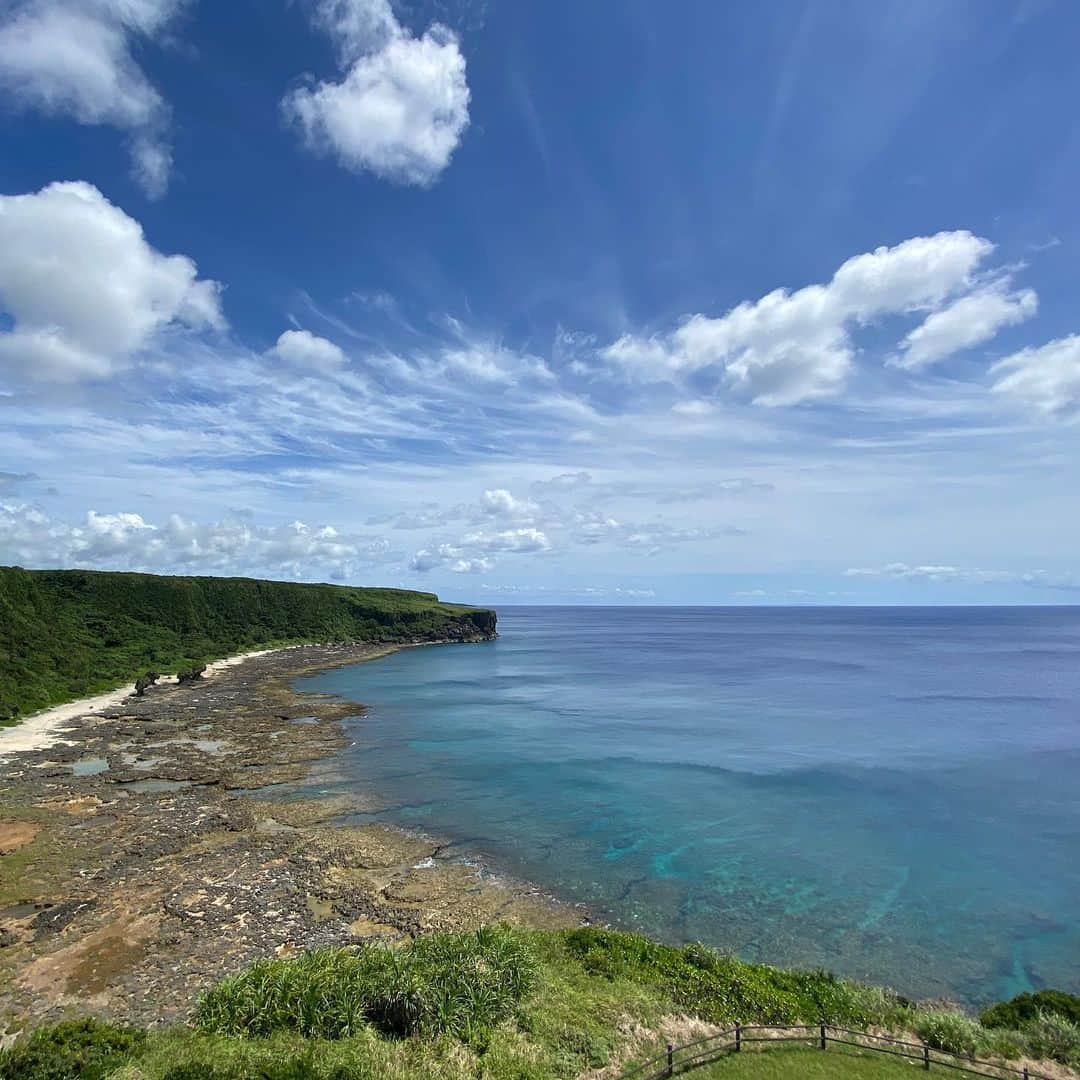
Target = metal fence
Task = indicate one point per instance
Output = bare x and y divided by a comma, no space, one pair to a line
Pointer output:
692,1055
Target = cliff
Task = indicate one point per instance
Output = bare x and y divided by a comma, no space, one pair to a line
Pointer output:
68,633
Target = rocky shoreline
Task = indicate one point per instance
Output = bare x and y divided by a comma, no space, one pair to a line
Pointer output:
158,849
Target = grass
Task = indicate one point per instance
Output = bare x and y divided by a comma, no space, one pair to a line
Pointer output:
783,1063
503,1004
722,989
447,984
68,633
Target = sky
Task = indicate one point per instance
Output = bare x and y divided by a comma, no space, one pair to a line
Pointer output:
546,302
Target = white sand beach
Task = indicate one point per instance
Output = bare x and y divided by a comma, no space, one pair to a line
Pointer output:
47,728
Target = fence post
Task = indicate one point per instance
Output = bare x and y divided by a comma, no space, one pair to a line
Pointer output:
926,1057
822,1034
738,1037
670,1060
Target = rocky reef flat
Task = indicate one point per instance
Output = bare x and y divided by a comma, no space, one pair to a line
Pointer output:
162,846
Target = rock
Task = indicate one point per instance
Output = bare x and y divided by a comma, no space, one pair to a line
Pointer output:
144,682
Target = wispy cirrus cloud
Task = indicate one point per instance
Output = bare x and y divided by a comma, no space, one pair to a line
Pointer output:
1046,377
944,574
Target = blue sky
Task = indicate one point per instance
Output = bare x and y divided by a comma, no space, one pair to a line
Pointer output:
560,302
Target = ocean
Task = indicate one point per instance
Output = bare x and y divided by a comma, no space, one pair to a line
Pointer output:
890,793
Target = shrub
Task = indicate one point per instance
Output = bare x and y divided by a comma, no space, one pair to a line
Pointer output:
952,1032
456,984
1050,1035
723,989
73,1050
1024,1008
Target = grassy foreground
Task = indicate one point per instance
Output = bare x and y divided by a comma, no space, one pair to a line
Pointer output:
783,1063
501,1004
68,633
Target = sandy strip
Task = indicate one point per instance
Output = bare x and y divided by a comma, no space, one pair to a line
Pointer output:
47,728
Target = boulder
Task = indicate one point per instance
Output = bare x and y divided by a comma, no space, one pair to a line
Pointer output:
144,682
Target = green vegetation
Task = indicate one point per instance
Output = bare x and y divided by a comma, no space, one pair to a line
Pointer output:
502,1004
86,1049
446,984
1024,1008
786,1062
720,988
68,633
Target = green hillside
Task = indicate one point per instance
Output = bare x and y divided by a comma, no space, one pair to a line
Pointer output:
506,1004
67,633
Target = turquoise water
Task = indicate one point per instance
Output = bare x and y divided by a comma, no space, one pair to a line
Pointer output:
890,793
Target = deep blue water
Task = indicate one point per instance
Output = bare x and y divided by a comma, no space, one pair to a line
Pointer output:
892,793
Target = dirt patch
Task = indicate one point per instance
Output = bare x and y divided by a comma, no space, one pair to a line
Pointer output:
17,834
90,965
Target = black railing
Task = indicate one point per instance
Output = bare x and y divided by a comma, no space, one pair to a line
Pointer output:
692,1055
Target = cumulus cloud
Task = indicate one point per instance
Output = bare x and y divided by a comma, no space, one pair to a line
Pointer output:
499,503
496,505
525,539
306,350
473,552
127,541
402,104
1046,377
86,292
76,59
453,558
793,347
967,322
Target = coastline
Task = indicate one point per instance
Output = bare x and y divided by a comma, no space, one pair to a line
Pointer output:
43,729
155,844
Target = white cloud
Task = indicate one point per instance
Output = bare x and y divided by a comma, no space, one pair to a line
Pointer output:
566,481
472,566
86,292
451,557
75,58
402,106
515,540
472,553
127,541
356,26
306,350
967,322
793,347
941,574
695,408
151,163
585,592
1046,377
500,503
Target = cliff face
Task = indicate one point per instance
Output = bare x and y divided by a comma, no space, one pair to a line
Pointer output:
484,621
66,633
